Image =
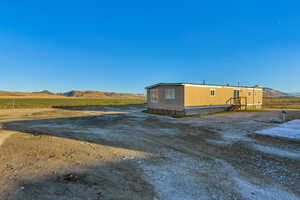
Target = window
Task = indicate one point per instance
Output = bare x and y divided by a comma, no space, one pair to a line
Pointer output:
154,95
249,93
170,93
213,92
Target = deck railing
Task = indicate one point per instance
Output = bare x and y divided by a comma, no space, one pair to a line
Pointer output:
237,103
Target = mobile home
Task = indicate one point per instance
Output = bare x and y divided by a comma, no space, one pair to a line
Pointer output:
189,99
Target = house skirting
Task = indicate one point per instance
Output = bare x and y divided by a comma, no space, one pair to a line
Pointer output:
195,110
190,110
166,111
205,109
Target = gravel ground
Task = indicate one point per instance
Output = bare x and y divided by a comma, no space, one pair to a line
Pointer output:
122,153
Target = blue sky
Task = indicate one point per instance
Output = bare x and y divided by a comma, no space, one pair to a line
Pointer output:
123,46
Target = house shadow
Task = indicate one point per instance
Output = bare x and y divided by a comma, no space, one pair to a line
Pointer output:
108,129
118,180
95,179
130,130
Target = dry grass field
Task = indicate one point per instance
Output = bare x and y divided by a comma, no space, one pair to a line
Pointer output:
282,102
10,103
46,99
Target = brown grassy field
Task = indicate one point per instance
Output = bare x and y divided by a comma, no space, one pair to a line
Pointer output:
9,103
282,102
46,99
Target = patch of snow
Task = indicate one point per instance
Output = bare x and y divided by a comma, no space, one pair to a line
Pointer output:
179,177
138,116
162,117
52,125
235,137
172,179
278,152
257,191
165,131
231,131
218,141
294,124
109,109
101,133
268,192
121,109
96,131
138,129
289,130
105,115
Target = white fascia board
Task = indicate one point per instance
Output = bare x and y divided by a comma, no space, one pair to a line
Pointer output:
219,86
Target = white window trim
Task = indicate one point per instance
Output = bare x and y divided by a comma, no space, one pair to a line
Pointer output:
215,92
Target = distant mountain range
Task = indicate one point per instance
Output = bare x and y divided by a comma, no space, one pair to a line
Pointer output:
295,94
102,95
269,92
73,93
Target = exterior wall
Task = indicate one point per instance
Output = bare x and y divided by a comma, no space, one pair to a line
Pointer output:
254,97
201,96
167,104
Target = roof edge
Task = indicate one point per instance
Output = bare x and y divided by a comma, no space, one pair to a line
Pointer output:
159,84
204,85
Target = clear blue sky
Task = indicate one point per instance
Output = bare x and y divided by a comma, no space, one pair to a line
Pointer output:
123,46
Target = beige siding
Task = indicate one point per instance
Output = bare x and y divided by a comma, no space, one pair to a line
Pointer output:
201,95
253,97
163,103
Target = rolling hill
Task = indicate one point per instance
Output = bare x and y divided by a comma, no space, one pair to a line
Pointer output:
269,92
71,94
102,95
42,94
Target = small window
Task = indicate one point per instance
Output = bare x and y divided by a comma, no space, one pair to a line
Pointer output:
154,95
249,93
213,92
170,93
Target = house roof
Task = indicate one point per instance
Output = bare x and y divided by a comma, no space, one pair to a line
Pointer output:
201,85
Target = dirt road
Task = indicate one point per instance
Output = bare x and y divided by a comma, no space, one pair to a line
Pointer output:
121,153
